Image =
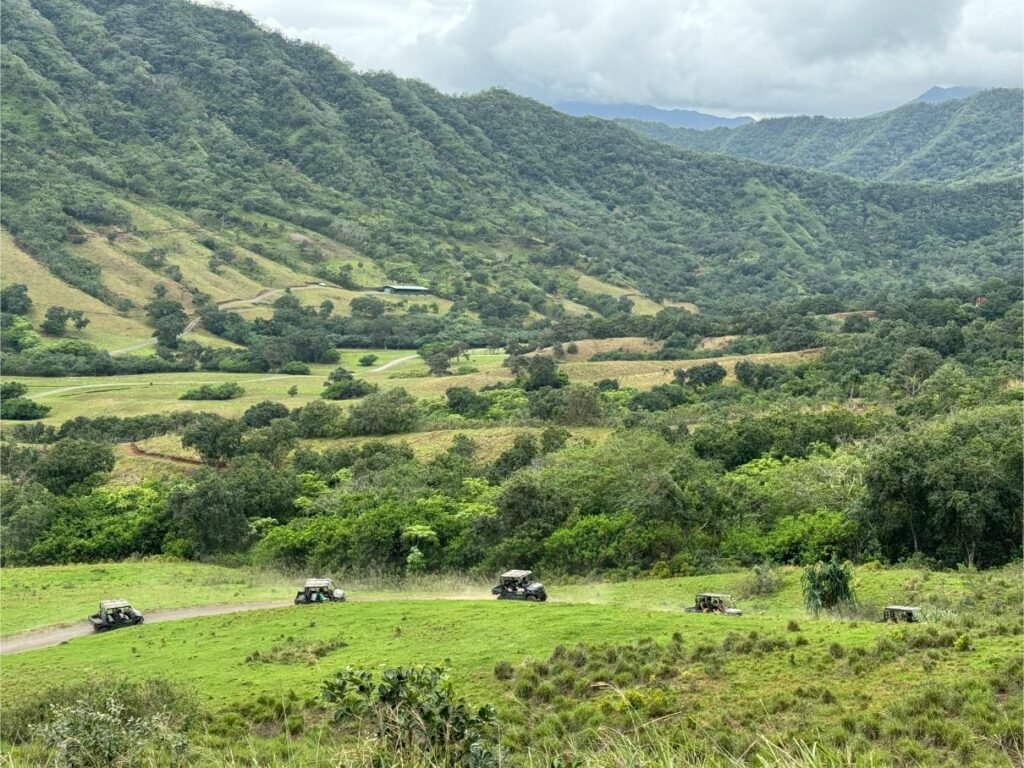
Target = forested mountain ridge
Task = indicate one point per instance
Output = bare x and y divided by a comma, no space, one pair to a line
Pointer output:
112,108
954,140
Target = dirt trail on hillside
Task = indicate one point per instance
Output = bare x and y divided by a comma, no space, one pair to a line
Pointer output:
50,636
264,296
150,342
260,298
134,450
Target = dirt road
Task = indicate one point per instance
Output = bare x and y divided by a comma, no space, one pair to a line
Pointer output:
49,636
44,638
133,450
393,363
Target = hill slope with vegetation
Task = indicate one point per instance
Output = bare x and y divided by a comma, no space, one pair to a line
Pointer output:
847,398
182,142
956,140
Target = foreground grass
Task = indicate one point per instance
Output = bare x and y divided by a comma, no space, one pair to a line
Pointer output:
889,694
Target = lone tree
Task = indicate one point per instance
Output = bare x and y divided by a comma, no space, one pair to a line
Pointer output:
15,300
439,363
168,318
828,586
215,438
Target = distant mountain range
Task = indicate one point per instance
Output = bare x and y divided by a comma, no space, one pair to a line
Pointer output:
676,118
929,139
701,121
937,94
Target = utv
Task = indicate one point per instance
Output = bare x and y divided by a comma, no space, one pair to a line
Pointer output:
517,585
319,591
710,602
898,613
114,614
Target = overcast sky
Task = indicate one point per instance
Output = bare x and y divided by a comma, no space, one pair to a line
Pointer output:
832,57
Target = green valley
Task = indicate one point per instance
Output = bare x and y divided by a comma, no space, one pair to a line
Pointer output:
266,317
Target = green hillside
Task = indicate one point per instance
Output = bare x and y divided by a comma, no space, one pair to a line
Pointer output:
977,137
148,142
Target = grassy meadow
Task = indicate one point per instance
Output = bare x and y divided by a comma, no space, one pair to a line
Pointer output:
134,395
775,672
64,594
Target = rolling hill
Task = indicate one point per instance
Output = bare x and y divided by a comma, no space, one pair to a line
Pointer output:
929,139
184,144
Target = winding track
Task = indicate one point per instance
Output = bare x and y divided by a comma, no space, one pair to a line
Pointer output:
263,297
393,363
47,637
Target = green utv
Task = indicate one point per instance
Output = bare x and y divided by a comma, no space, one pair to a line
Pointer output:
713,602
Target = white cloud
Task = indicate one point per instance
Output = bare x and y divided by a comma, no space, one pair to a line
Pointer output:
841,57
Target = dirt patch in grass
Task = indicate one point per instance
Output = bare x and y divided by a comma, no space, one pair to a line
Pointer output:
716,342
644,374
870,313
587,348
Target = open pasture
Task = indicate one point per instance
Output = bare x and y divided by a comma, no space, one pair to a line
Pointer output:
776,671
644,374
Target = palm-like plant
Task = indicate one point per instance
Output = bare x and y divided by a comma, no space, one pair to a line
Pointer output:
828,585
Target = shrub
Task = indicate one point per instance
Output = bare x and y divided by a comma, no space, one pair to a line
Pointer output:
348,389
107,722
295,368
383,413
261,414
367,360
226,391
22,409
503,670
415,711
108,733
764,580
12,389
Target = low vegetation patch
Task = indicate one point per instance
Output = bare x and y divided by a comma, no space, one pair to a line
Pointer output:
291,650
226,391
107,721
